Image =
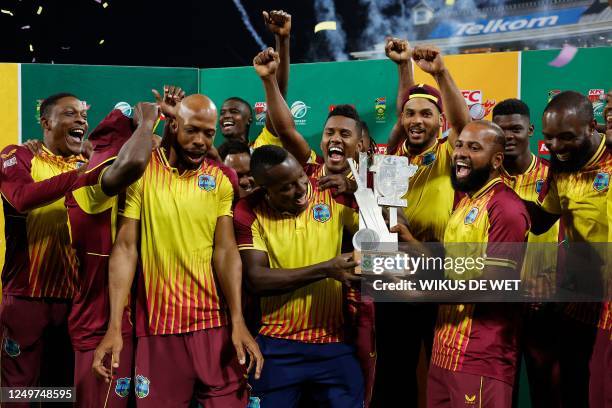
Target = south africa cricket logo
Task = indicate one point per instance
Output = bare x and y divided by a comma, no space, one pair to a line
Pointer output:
207,182
471,216
321,212
122,389
601,182
142,386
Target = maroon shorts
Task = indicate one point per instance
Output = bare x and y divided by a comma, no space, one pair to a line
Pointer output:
36,349
171,369
92,392
600,383
454,389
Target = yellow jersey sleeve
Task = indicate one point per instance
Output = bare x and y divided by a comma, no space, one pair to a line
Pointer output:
133,201
550,202
91,198
226,198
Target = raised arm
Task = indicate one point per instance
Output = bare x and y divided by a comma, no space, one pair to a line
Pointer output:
122,268
430,60
266,65
265,281
21,191
279,23
399,51
135,154
228,269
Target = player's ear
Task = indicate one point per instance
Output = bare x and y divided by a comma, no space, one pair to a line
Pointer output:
530,130
45,123
498,160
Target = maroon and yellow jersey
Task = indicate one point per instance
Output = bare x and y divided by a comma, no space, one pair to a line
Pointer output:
540,261
313,313
482,339
430,196
39,259
178,216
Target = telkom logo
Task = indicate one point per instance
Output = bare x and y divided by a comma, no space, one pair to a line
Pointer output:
502,25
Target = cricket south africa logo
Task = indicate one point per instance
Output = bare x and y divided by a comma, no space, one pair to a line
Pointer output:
321,213
207,182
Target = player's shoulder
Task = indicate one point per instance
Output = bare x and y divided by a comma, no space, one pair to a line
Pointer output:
506,202
222,169
244,212
312,169
11,155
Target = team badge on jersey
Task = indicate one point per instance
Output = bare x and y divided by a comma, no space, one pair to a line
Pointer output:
321,212
207,182
471,216
10,162
11,347
470,400
254,402
142,386
429,158
539,185
122,389
602,180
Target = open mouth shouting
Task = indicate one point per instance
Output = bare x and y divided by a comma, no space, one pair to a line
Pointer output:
227,125
563,157
462,169
416,132
335,154
75,135
195,156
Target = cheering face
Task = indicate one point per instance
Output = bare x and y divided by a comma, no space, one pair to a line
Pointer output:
475,159
517,130
567,136
341,140
421,120
286,185
241,163
67,125
234,120
195,133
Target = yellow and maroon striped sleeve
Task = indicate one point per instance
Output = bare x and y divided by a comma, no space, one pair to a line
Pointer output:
246,226
133,201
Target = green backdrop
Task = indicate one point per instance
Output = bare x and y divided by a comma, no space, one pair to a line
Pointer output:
591,68
100,86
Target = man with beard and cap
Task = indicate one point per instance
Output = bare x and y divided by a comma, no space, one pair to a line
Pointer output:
39,277
475,349
581,166
122,150
341,137
237,155
416,135
526,174
236,114
178,220
290,234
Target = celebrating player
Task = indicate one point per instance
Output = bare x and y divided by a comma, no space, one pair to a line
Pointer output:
237,156
581,166
39,277
290,234
177,217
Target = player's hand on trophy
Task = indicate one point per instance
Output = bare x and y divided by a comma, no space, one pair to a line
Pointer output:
278,22
398,50
111,344
266,62
341,183
429,59
169,102
342,269
403,233
242,340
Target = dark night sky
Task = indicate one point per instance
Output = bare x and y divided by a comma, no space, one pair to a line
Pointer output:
135,32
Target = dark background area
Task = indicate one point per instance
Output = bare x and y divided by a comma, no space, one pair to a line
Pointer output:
174,33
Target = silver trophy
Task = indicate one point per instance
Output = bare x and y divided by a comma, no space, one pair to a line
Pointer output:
391,181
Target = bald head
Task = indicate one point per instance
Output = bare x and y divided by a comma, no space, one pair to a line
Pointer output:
570,103
197,103
490,130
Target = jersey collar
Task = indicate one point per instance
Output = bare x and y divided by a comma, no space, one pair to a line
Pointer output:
486,188
68,159
163,158
598,153
530,168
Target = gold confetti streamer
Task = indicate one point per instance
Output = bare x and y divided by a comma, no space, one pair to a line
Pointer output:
39,11
9,12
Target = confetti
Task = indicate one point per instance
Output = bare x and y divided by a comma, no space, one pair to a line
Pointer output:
325,25
9,12
25,27
34,59
39,11
31,48
105,5
101,42
65,48
98,1
450,2
565,56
